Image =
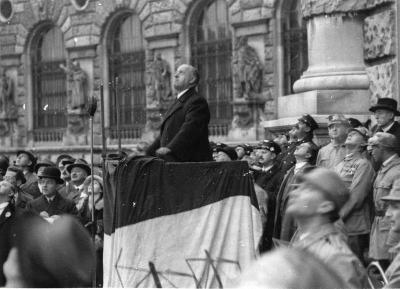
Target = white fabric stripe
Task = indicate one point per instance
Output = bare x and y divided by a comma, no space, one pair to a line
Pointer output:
228,229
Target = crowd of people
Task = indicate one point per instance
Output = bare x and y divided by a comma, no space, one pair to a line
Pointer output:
335,208
48,236
340,202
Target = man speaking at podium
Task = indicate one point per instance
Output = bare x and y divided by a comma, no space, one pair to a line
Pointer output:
184,129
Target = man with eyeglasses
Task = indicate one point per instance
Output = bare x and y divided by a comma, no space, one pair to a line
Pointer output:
51,204
382,147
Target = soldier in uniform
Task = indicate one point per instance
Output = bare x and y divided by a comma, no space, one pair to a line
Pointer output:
382,147
315,205
358,175
393,214
266,175
333,153
303,130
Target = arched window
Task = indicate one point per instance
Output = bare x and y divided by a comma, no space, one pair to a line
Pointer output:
211,53
126,56
49,84
294,44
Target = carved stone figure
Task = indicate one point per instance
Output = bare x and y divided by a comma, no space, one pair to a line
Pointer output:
7,94
159,81
247,69
78,81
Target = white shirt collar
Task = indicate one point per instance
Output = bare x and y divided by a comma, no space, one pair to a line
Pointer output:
298,166
266,169
181,93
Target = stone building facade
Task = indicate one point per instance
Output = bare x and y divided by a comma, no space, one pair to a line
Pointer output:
258,69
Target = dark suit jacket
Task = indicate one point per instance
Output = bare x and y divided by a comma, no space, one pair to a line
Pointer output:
270,182
22,201
284,224
184,129
7,220
58,206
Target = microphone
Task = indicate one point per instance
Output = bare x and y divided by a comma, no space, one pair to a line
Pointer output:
92,106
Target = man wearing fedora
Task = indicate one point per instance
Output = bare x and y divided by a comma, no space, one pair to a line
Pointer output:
382,147
393,215
79,171
385,111
315,205
51,203
26,161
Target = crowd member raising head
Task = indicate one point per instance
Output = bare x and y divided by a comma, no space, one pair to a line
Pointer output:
240,151
26,161
304,132
382,147
16,177
315,205
51,204
7,219
47,255
385,111
284,225
358,175
62,163
226,154
79,171
333,153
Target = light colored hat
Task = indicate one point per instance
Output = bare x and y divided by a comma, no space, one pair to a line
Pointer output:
329,183
384,139
337,119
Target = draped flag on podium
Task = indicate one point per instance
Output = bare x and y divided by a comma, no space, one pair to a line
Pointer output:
178,224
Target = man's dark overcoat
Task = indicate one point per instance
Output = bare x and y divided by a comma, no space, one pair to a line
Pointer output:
7,220
184,129
58,206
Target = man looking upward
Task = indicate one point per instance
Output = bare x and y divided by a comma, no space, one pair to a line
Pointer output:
184,130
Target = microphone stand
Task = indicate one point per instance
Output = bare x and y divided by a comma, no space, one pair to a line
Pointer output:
92,110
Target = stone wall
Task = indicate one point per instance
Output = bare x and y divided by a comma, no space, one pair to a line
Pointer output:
380,35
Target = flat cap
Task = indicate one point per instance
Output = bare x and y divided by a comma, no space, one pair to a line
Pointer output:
269,145
337,119
384,139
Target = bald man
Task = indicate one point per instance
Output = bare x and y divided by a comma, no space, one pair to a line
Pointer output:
184,130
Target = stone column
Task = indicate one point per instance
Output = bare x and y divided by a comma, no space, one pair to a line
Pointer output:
335,46
336,80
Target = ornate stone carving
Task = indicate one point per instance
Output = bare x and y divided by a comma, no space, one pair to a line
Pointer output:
247,70
317,7
158,82
8,108
78,86
379,35
6,10
80,4
382,80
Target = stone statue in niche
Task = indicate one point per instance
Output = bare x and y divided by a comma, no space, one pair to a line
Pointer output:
78,85
158,81
247,69
7,103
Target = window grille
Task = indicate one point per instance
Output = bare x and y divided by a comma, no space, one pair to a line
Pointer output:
295,45
211,53
49,85
127,75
